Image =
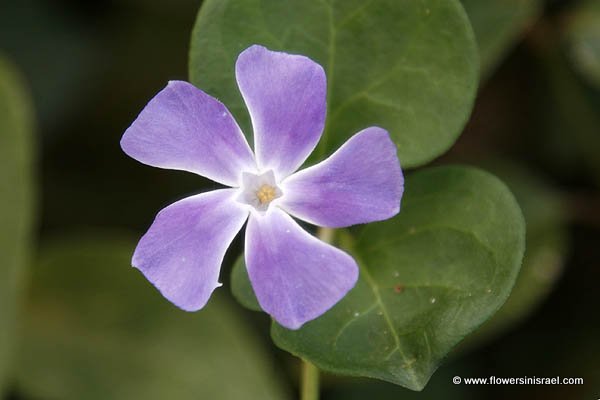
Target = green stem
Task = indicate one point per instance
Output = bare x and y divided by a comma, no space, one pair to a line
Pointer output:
309,389
326,234
309,380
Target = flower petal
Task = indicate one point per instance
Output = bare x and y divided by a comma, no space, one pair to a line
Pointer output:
182,252
285,95
296,277
184,128
361,182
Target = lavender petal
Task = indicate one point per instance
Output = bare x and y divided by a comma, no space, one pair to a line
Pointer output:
296,277
183,128
285,95
182,252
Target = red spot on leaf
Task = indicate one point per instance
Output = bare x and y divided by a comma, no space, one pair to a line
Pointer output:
399,288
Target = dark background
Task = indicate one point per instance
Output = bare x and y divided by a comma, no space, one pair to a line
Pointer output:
92,66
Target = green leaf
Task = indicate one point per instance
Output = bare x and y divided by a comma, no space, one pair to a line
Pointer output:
428,277
96,329
240,286
583,39
16,203
439,387
410,67
545,254
498,25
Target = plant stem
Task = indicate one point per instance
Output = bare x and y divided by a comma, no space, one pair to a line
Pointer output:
309,386
326,234
309,379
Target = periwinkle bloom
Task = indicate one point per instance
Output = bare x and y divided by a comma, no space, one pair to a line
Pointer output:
296,277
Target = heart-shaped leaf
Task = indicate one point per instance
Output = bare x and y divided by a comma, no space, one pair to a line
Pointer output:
428,277
16,202
408,66
96,329
498,25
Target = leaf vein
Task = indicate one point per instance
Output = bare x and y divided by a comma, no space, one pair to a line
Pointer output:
347,324
386,317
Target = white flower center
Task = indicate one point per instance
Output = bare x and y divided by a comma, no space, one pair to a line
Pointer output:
259,190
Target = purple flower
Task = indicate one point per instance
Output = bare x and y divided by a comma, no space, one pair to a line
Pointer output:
296,277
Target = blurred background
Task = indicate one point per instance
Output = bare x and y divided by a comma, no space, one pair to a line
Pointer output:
77,323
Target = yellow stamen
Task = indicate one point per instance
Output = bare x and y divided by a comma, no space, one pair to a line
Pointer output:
265,194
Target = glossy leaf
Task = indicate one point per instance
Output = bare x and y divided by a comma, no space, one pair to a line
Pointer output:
96,329
498,25
439,387
429,277
583,39
16,203
409,67
545,254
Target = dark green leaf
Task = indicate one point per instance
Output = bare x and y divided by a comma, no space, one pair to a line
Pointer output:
428,277
16,202
407,66
498,25
439,387
96,329
545,253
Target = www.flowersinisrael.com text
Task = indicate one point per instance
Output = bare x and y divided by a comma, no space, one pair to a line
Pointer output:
525,380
